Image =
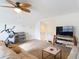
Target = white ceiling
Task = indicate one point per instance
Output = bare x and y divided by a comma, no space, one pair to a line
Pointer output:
40,10
9,16
54,7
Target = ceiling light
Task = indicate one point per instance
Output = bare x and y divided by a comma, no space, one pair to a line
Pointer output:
18,10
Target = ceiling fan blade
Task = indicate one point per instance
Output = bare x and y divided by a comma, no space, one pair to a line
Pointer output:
7,6
25,5
26,10
11,2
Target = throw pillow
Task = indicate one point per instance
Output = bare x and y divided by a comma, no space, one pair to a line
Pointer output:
15,48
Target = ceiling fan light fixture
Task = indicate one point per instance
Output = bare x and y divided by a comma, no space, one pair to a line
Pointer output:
18,6
17,10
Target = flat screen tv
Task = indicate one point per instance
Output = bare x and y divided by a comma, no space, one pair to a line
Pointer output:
64,30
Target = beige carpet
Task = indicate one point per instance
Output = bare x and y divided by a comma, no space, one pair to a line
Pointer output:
35,47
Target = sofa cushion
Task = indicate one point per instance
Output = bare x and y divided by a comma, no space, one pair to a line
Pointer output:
6,53
78,56
15,48
73,53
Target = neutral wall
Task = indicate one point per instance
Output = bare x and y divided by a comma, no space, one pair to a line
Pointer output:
63,20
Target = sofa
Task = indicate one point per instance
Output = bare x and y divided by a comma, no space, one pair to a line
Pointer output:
7,53
74,54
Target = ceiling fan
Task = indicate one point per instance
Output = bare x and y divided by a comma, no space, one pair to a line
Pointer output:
18,5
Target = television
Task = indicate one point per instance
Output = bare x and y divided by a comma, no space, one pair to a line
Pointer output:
64,30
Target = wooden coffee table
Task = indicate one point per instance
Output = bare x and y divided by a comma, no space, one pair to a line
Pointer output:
52,51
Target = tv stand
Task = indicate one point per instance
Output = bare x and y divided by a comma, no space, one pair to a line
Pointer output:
66,40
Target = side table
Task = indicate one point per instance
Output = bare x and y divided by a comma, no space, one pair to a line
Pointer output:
52,51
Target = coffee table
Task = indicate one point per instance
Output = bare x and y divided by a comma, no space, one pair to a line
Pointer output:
52,51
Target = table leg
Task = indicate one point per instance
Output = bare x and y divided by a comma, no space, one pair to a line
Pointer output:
55,57
42,54
60,54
